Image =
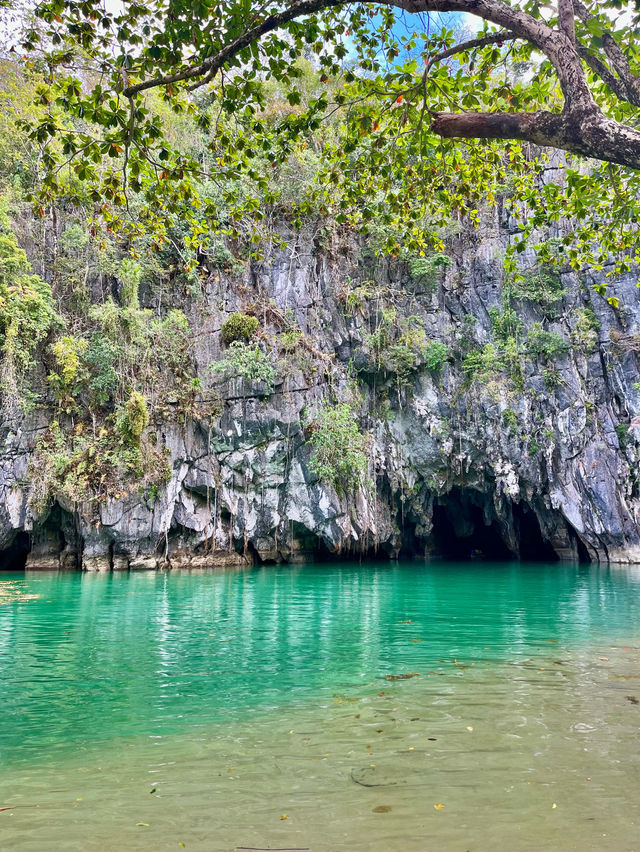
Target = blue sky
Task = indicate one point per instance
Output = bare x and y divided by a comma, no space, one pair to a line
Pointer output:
436,21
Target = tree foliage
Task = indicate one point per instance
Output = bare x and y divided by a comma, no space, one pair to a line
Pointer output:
411,118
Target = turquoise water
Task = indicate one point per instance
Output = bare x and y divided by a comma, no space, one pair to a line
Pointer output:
242,698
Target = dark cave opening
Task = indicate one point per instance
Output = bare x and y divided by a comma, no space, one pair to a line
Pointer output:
53,544
532,546
461,530
56,543
14,558
460,536
465,526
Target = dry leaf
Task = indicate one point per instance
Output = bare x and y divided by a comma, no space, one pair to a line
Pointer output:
438,806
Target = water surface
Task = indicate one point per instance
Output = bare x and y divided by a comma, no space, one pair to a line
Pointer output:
271,708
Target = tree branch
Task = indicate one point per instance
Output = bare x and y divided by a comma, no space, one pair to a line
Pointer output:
213,63
554,44
483,41
617,86
616,57
619,61
537,127
581,128
586,134
566,19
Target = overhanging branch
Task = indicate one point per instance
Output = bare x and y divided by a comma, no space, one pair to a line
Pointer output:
586,133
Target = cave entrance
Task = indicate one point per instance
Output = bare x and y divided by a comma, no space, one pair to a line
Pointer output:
14,558
55,543
531,545
465,527
460,531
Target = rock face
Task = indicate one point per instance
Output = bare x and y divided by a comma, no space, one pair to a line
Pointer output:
523,440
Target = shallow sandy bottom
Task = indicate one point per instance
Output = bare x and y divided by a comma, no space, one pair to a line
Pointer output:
538,754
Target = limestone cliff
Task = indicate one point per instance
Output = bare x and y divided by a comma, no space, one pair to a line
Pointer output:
518,436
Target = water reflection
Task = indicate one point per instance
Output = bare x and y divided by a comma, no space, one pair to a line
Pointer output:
87,658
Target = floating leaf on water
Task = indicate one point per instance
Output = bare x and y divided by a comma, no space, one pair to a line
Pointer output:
469,728
438,806
181,844
554,805
284,816
632,699
153,789
143,824
381,809
605,659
